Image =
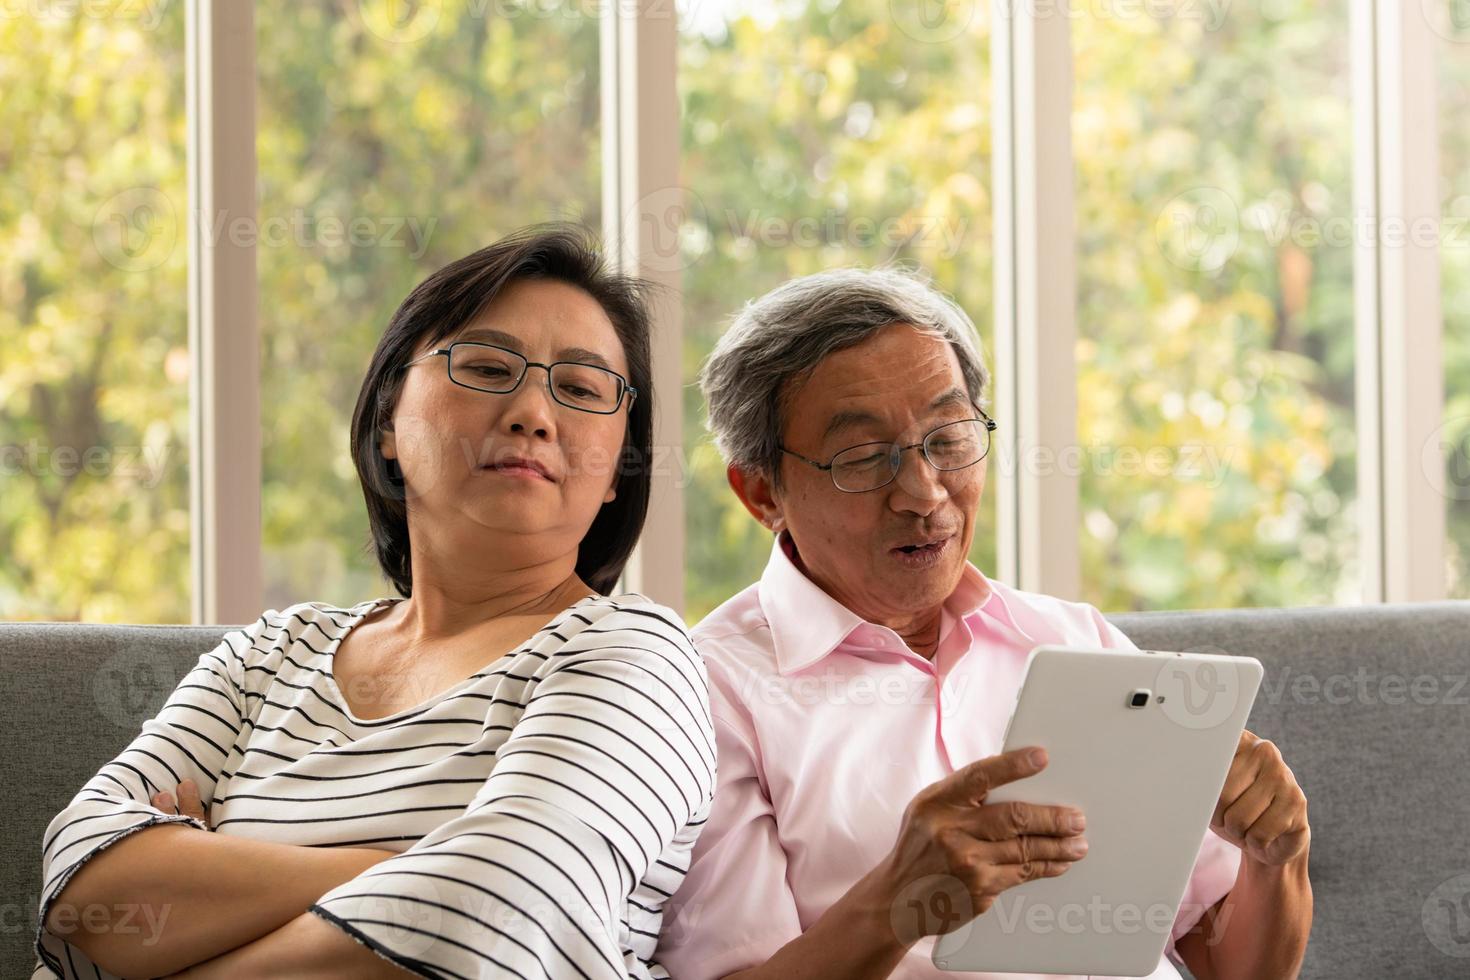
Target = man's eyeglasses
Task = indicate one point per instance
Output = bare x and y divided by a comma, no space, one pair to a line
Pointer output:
952,446
498,370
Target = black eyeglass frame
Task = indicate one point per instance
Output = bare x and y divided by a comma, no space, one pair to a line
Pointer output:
624,388
895,453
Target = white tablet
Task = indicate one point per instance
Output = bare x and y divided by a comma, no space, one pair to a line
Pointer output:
1141,741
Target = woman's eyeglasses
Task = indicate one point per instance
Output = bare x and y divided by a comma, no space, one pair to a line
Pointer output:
500,371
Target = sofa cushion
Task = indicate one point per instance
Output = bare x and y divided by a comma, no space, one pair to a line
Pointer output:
1368,705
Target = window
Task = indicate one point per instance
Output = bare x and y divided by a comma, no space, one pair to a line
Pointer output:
94,359
1223,405
391,141
819,134
1215,309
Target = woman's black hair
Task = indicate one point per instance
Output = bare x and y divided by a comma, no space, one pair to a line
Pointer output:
446,301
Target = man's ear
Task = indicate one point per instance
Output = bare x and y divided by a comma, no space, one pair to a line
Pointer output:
759,496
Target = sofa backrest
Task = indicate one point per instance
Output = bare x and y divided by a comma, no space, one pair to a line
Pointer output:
1368,705
72,697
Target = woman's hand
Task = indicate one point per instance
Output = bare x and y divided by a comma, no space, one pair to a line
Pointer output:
188,803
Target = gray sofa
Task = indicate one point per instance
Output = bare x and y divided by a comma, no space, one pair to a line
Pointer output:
1370,706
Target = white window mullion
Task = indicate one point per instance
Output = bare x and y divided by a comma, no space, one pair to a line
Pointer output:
224,338
1003,475
1400,387
1367,360
643,206
1035,302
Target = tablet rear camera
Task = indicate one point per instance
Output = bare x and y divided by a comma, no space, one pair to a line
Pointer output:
1138,699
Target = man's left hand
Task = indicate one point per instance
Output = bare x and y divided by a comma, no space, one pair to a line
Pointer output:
1261,809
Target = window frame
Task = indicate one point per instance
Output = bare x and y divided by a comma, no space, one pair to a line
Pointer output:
1398,319
225,546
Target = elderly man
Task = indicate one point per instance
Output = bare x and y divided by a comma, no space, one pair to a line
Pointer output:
855,686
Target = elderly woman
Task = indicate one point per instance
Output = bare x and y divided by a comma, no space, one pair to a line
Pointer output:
856,684
501,773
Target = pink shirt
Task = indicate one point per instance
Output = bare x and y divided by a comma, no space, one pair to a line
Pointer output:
826,726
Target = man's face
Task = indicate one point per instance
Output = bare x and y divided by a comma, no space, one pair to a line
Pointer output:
894,387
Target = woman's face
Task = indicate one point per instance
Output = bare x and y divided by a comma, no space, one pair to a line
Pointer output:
457,446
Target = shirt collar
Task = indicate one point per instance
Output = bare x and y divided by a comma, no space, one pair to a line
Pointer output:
807,624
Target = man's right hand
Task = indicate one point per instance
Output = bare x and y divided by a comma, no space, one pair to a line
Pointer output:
956,853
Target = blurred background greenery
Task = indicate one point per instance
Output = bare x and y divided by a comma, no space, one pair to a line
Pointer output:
1216,391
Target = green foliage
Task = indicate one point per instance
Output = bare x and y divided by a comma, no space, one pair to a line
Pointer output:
814,134
443,143
1454,255
1246,351
93,323
824,137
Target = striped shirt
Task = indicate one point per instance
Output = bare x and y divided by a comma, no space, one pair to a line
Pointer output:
543,810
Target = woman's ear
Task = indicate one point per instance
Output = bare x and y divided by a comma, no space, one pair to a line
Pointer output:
388,445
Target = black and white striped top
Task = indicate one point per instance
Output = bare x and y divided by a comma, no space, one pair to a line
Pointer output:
543,809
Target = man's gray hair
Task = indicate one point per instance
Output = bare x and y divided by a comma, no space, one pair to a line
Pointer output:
782,336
